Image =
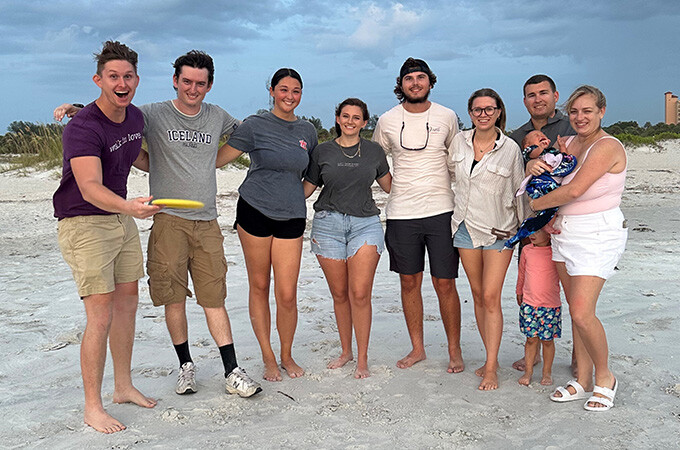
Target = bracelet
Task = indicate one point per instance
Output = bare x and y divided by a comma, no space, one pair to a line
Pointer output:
78,105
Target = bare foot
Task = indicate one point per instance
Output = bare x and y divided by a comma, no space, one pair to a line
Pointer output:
132,395
271,371
340,361
411,359
480,372
456,364
525,379
489,382
291,367
361,372
547,380
521,365
101,421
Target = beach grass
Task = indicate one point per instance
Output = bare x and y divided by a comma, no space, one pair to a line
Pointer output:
39,147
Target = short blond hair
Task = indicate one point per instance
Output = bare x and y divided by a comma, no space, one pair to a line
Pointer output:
600,100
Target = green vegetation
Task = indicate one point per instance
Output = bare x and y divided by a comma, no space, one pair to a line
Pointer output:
633,134
38,145
32,145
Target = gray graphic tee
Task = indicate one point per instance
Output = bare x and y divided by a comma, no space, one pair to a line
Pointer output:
182,152
346,175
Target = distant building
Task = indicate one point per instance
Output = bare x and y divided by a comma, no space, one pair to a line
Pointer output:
672,116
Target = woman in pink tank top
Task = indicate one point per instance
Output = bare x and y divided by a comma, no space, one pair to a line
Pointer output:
591,238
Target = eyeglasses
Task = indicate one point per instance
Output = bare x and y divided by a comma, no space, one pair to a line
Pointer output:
401,133
489,110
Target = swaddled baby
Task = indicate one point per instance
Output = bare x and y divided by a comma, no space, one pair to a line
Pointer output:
537,145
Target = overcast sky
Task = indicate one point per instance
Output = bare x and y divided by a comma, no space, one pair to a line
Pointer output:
628,48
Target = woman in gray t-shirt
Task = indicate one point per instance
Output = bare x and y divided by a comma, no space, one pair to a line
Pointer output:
347,237
271,214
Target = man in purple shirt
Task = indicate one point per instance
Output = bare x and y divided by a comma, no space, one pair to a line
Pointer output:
97,233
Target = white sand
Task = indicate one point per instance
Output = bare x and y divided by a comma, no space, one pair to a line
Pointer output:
42,318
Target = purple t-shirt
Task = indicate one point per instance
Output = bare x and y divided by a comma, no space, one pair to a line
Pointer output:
117,145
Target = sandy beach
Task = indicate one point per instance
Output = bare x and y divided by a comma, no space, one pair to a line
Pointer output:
42,319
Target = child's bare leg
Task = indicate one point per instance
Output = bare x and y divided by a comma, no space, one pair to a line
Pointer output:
548,357
530,350
520,364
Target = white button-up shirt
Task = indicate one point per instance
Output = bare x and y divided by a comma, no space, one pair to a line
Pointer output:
485,197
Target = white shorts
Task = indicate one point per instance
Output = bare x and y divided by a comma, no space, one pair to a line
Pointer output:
590,244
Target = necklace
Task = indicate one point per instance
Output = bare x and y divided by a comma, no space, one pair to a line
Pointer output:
482,147
485,148
357,153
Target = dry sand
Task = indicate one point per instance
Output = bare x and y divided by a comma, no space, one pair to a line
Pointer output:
42,319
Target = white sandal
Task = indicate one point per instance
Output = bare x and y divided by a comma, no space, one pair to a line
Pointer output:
607,401
568,396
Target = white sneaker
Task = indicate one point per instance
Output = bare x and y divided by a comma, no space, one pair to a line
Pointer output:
186,381
238,382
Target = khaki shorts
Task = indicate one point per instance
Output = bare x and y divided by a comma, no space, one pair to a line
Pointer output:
102,251
178,246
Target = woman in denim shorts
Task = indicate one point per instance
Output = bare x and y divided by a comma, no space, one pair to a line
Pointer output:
347,237
488,171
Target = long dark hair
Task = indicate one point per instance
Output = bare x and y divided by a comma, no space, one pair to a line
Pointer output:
488,92
350,102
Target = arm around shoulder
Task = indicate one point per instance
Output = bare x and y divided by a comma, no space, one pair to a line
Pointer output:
308,188
142,161
226,154
385,182
66,109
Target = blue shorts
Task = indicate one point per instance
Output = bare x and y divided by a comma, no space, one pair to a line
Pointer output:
339,236
463,240
540,321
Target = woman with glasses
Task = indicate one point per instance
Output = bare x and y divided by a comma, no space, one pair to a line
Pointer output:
347,237
488,171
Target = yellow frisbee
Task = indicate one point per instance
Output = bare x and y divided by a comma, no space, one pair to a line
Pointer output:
178,203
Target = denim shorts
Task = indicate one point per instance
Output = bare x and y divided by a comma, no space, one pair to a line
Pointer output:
339,236
463,240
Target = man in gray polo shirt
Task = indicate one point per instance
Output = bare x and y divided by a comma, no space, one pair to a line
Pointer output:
183,137
540,98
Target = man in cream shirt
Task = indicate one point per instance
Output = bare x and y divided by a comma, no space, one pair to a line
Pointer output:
416,133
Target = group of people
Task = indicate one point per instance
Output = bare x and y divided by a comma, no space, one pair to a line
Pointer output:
452,195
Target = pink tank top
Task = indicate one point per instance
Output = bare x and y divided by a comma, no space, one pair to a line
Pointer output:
603,195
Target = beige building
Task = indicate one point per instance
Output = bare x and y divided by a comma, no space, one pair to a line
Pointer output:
672,115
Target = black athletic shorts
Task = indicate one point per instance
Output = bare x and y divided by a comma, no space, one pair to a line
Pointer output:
254,222
407,239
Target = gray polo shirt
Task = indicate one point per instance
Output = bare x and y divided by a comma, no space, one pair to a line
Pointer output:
558,125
